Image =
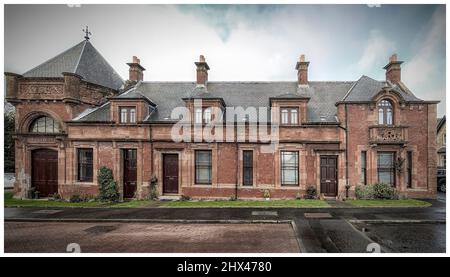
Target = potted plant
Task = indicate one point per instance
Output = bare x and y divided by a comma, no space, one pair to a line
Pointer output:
267,194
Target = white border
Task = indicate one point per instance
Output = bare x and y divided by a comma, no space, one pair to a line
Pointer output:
73,2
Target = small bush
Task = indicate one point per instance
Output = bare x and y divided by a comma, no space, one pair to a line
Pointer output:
185,198
311,192
384,191
365,192
376,191
154,188
55,197
107,185
266,193
76,198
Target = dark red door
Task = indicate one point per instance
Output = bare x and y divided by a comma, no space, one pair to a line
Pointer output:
328,175
44,168
170,173
129,172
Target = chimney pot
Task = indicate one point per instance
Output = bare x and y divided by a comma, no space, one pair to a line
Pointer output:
302,68
202,71
136,71
393,58
393,69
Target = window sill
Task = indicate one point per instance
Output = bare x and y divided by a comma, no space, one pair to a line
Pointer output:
80,183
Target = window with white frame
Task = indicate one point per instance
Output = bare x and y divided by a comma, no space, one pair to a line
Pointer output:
289,168
385,113
289,116
127,115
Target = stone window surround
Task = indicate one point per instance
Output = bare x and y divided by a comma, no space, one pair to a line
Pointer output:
243,148
78,164
289,115
95,166
301,166
128,114
158,163
214,169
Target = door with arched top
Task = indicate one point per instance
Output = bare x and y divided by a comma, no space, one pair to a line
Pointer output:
44,168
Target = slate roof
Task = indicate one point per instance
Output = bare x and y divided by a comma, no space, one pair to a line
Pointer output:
82,59
366,88
169,95
321,105
440,123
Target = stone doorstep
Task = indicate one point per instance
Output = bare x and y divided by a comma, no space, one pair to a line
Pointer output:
169,197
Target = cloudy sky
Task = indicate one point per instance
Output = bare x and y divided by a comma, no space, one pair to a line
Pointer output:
241,42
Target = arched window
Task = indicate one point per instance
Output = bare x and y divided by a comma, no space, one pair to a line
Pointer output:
45,124
385,113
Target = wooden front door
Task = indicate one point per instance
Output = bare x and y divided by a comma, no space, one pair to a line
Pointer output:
170,173
129,173
44,168
328,175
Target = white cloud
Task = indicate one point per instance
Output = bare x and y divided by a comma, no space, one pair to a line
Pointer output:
377,49
424,73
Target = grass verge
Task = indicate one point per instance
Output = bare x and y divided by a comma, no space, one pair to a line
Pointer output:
303,203
389,203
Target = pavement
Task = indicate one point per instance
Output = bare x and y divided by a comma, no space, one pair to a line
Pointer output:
317,230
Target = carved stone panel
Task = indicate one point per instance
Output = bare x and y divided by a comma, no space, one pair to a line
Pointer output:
41,91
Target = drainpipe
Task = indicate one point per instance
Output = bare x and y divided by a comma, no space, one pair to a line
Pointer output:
237,170
346,148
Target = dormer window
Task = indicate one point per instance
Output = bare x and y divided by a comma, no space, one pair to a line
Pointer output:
289,116
207,115
385,113
203,115
127,115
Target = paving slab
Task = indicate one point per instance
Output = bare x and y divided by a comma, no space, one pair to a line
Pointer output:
51,237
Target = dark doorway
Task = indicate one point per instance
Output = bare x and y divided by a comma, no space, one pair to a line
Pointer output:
129,173
328,175
44,167
170,173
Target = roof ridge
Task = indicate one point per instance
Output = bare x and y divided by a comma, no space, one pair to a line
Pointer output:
81,54
351,88
241,82
53,58
101,56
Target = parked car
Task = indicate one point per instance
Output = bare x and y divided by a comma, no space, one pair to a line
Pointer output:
441,179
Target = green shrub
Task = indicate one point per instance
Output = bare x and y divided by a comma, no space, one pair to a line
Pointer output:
154,188
107,185
384,191
76,198
376,191
311,192
185,197
364,192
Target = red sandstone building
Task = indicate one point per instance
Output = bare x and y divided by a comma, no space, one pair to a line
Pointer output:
74,114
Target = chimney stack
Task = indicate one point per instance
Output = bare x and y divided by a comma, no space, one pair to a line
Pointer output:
136,70
302,68
393,70
202,71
